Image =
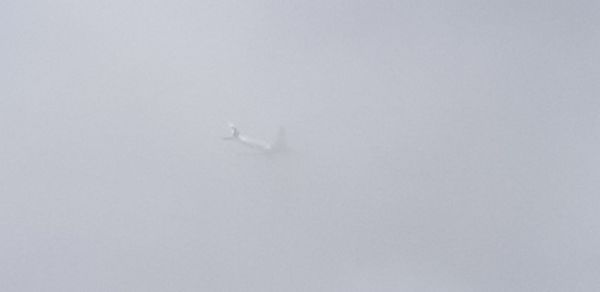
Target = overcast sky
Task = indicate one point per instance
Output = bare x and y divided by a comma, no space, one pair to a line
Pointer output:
434,145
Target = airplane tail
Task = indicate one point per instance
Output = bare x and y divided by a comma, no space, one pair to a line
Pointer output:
235,133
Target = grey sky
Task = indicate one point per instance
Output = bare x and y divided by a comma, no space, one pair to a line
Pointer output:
435,146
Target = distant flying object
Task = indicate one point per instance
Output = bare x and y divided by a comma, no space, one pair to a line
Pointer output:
266,147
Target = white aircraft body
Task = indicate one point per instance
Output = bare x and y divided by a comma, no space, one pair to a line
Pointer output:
261,145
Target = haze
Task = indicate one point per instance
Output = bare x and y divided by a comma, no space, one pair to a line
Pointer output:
434,146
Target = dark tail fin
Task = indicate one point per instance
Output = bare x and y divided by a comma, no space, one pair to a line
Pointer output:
235,133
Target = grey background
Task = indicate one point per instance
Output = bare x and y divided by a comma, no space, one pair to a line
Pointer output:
436,146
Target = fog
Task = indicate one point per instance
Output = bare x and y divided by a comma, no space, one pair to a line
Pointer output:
434,146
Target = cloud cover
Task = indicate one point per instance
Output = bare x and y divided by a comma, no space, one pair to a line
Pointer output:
435,146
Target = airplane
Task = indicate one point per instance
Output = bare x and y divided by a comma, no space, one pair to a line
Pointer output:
264,146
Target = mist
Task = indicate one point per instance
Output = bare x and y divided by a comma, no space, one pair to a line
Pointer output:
433,146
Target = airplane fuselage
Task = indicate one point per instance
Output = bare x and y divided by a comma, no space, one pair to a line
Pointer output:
264,146
254,143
